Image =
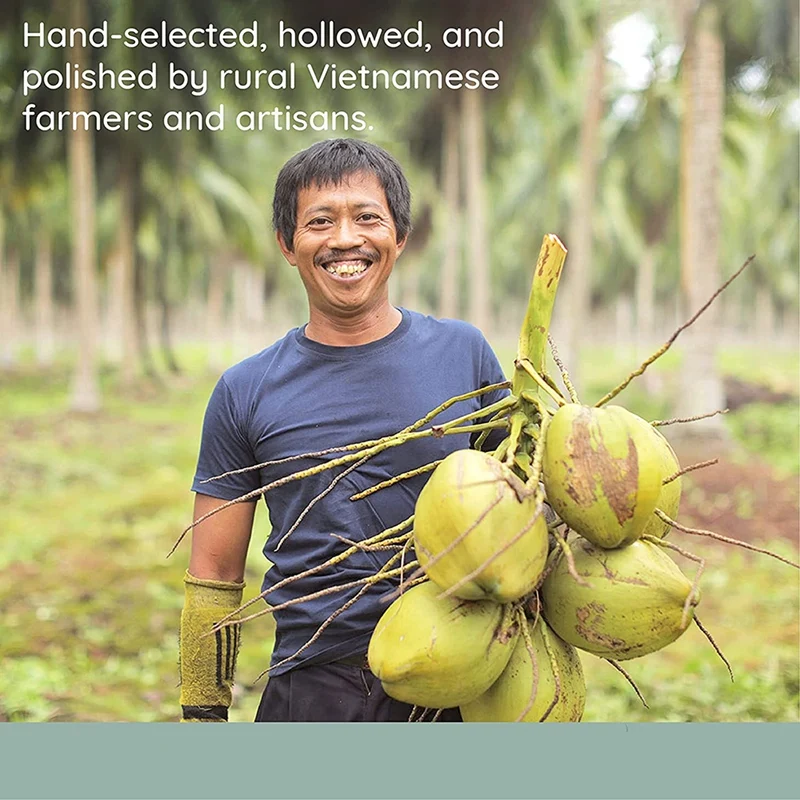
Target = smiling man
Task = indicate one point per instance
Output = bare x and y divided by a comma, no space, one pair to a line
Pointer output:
360,369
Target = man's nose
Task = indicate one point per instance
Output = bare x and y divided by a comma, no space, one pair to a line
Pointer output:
345,235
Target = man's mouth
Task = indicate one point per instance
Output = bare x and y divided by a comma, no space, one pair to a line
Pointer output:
347,268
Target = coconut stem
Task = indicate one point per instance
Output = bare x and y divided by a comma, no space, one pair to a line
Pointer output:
690,468
388,533
373,548
482,438
556,675
657,423
666,346
319,631
401,438
538,451
549,567
382,574
573,395
372,442
701,532
562,543
692,598
528,368
533,334
314,500
518,420
496,409
416,578
397,479
505,402
457,399
368,581
403,565
526,635
628,678
714,645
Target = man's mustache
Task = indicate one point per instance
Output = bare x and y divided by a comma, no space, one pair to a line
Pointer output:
345,255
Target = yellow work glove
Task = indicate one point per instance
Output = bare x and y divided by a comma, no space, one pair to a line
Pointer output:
207,662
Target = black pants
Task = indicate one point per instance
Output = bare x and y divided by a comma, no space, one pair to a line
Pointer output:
336,693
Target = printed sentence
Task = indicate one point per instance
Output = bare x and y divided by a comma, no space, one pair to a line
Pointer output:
327,76
327,34
277,119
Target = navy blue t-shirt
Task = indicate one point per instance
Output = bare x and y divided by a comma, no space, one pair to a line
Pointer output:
299,396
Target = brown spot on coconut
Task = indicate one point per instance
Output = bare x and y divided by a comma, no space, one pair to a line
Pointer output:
633,603
441,652
474,519
602,473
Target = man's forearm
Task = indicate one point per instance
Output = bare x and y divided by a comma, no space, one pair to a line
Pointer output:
208,660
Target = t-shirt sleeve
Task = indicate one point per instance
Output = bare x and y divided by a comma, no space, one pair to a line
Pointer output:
491,372
224,446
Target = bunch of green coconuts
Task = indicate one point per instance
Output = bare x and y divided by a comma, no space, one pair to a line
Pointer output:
555,541
506,592
494,628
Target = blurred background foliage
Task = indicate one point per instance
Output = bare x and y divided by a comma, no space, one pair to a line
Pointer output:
658,139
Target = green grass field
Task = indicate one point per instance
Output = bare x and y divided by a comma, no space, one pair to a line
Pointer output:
89,603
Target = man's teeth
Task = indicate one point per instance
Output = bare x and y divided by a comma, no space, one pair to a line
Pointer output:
346,267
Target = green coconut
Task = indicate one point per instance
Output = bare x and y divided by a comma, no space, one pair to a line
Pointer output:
472,508
669,499
440,653
633,603
602,473
508,697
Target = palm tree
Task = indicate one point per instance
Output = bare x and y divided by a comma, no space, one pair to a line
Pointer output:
577,284
703,93
85,395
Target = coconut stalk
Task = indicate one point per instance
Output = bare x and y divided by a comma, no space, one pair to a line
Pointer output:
533,335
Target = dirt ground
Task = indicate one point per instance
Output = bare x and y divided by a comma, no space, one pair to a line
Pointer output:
743,501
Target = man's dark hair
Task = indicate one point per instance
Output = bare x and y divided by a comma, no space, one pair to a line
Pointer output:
327,163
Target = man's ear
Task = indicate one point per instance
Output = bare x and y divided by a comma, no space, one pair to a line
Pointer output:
401,244
287,251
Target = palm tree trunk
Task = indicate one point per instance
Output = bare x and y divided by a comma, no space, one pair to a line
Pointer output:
125,266
623,322
577,275
240,322
451,258
474,161
763,324
9,287
255,309
43,288
80,143
645,312
140,317
165,322
215,309
703,97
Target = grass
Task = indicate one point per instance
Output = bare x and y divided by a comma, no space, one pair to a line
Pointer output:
89,604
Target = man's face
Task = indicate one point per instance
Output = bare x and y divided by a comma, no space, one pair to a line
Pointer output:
345,245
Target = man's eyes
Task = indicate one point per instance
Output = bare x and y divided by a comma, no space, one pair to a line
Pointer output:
366,217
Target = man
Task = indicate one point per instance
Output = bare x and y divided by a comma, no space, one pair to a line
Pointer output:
360,369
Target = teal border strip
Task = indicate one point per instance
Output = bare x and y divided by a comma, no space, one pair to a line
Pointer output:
137,760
